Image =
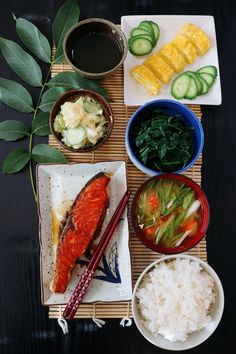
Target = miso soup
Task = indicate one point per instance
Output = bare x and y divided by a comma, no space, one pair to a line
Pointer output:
168,212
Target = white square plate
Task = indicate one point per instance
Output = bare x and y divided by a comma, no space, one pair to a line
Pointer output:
58,185
135,94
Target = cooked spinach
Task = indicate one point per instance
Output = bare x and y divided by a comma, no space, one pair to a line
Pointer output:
163,142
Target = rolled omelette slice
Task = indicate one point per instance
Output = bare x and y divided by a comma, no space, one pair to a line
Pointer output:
146,78
185,48
198,37
159,67
83,223
173,58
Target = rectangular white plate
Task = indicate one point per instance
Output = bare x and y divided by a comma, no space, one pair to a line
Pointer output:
58,185
135,94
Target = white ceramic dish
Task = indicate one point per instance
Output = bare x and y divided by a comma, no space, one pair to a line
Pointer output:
58,185
196,338
134,94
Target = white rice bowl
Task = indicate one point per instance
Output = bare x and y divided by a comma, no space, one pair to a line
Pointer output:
178,302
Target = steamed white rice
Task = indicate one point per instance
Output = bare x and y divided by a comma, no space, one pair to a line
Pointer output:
174,299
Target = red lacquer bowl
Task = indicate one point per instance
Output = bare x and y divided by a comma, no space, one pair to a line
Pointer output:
189,242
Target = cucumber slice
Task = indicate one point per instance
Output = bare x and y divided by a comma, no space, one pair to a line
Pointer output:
147,25
209,69
208,78
91,106
192,90
147,36
137,31
140,45
197,81
156,30
74,136
59,123
180,86
205,86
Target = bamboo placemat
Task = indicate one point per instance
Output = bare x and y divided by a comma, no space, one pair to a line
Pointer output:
114,149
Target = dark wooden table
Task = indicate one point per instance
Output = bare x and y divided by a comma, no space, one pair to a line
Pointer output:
24,324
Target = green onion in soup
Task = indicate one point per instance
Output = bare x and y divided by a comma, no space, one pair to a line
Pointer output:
168,212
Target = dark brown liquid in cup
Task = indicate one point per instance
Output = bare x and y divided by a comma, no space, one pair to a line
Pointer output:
95,52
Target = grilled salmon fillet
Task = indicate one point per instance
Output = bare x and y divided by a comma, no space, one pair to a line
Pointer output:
82,224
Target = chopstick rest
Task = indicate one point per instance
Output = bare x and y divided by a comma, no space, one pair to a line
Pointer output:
126,322
62,322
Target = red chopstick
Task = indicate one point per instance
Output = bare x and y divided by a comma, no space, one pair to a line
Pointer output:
87,276
93,264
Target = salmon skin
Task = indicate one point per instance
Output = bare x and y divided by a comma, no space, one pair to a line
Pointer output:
82,223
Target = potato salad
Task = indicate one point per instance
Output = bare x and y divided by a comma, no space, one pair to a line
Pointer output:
81,124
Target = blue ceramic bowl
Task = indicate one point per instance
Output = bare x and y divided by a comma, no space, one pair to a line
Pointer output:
172,107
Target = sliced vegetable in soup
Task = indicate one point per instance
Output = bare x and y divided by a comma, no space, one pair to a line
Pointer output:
168,212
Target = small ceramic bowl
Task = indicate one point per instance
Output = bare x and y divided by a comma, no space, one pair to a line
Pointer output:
189,242
100,26
196,338
71,96
170,107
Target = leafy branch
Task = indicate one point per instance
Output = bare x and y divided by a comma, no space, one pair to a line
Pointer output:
17,97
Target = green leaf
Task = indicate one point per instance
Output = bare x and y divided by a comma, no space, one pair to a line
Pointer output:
162,150
33,39
49,98
72,80
15,96
21,62
40,125
15,161
66,17
60,59
43,153
12,130
68,80
93,85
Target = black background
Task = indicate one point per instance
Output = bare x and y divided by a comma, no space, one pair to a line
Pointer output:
24,324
